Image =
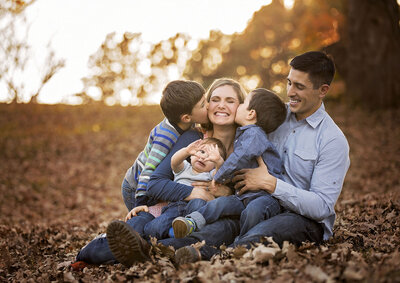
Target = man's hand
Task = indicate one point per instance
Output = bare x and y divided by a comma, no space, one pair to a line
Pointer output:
200,192
255,179
135,211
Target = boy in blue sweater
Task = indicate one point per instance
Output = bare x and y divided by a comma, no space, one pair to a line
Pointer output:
261,113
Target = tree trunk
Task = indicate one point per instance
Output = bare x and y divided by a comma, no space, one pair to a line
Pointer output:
373,53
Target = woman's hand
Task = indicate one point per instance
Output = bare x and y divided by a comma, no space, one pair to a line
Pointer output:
134,212
255,179
199,192
219,190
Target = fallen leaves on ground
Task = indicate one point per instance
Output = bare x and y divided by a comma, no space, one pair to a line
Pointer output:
60,174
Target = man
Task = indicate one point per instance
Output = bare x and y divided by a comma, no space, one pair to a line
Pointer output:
315,156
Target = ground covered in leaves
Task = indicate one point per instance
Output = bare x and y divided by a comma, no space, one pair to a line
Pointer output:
60,174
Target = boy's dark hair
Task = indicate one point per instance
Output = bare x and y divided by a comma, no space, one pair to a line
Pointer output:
270,109
318,65
221,147
179,97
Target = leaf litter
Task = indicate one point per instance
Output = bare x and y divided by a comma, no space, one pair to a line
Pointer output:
61,169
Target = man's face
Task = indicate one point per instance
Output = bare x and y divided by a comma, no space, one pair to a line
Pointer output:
304,99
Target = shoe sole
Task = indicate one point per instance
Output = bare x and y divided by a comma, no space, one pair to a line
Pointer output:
125,243
186,255
180,228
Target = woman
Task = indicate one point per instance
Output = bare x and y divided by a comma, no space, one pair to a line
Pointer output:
223,96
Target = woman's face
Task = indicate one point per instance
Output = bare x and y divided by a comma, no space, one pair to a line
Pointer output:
222,106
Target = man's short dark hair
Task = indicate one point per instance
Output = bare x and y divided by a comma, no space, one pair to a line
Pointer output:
221,147
179,97
318,65
270,109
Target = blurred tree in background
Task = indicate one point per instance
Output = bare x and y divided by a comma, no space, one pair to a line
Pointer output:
363,37
368,54
127,70
15,54
258,57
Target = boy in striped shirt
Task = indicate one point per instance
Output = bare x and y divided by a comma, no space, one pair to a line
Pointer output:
183,103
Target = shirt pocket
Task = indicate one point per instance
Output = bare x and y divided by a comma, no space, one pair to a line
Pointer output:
304,162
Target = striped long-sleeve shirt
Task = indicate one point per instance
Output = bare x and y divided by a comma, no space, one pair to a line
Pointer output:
162,138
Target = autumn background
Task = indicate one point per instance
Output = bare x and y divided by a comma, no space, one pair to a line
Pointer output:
62,165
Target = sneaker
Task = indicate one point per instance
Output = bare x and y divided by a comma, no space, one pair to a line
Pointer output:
125,244
183,226
187,254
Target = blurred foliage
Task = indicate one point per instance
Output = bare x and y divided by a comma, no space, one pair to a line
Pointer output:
127,70
258,57
16,54
364,34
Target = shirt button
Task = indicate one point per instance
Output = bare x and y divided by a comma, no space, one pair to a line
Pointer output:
294,131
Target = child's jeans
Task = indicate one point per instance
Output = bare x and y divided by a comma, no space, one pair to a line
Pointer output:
97,251
128,194
160,226
251,211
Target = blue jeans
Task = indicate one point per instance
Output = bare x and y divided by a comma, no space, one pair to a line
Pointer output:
287,226
128,195
251,210
215,234
97,251
160,226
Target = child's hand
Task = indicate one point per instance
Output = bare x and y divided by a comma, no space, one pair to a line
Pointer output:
135,211
193,147
212,152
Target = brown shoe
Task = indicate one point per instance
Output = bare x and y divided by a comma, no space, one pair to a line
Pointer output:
126,244
187,254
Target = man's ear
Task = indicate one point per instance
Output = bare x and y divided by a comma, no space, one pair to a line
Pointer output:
323,90
186,118
251,115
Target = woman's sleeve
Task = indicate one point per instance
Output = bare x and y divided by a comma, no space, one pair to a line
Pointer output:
161,186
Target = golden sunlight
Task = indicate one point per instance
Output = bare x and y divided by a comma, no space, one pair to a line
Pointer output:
288,4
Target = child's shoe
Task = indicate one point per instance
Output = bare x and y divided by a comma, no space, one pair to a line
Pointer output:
171,233
183,226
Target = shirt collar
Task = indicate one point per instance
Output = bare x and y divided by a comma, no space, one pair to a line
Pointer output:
241,129
180,131
314,119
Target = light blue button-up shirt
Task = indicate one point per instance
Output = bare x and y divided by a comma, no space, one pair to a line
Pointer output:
315,156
